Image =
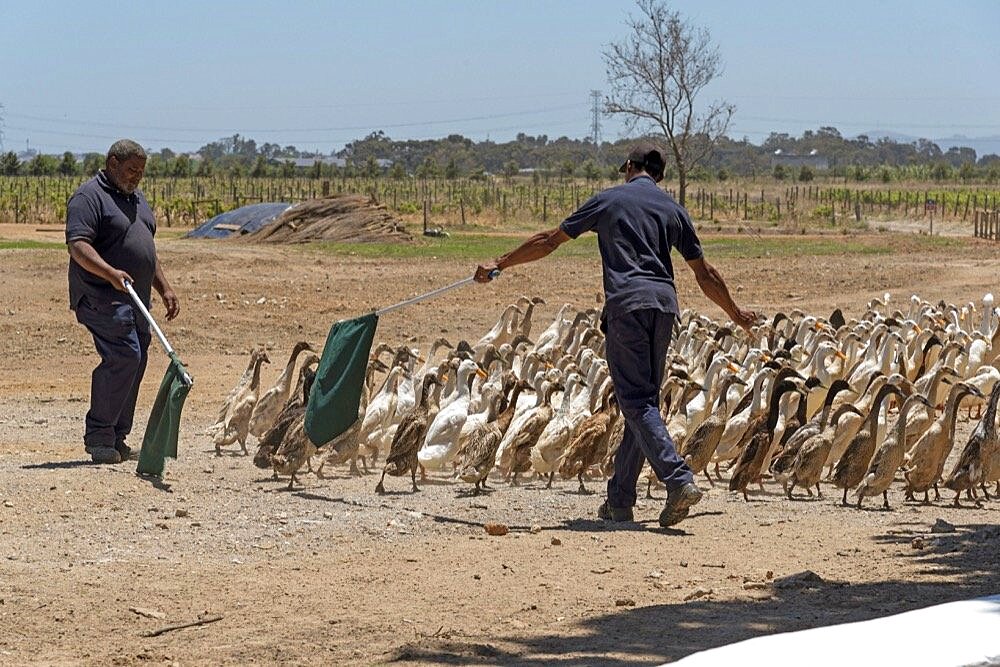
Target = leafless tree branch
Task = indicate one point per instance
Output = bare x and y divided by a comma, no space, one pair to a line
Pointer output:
655,77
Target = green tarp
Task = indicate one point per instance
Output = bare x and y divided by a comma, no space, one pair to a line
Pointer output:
162,429
340,378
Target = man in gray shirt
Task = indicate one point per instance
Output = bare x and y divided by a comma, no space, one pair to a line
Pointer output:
637,224
109,234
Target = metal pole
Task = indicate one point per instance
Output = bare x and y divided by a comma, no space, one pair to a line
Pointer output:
432,293
152,324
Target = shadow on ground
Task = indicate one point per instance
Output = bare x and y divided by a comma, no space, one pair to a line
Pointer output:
662,633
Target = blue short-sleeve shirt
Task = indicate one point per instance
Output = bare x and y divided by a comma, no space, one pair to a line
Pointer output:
121,228
637,224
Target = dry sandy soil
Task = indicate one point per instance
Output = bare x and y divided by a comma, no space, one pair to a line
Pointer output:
332,574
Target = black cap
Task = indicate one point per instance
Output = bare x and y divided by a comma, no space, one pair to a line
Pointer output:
647,157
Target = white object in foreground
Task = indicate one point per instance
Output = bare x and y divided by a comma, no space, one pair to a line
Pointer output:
956,634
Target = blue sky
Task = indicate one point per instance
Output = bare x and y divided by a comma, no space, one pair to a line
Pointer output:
76,75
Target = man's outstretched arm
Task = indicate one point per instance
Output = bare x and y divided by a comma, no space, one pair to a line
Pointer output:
538,246
714,287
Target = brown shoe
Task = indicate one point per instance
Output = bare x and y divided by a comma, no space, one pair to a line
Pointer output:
679,502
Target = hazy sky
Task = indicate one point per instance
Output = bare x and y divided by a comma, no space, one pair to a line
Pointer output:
180,73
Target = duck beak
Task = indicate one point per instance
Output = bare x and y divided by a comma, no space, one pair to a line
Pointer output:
840,355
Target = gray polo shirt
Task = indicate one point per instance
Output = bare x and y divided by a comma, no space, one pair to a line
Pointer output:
637,224
121,228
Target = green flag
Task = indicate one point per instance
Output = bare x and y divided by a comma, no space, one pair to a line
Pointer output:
340,378
162,429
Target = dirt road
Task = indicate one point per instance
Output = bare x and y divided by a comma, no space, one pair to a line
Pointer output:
93,557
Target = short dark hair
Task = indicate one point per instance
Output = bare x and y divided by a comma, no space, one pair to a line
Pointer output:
124,149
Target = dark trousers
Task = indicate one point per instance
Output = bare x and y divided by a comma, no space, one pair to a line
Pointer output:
122,343
636,349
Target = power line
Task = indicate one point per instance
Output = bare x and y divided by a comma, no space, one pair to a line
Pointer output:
320,107
66,121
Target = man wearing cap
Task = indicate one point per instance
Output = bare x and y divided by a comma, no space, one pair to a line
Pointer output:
637,224
109,234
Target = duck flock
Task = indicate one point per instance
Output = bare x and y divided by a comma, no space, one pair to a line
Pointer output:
802,400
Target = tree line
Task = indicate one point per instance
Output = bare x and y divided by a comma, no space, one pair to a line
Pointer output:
455,156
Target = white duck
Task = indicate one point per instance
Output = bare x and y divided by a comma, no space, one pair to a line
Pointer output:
441,442
738,424
502,332
375,427
557,433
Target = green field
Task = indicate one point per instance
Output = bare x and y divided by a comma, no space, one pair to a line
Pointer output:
7,244
471,246
474,246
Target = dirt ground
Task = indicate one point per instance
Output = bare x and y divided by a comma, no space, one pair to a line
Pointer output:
93,557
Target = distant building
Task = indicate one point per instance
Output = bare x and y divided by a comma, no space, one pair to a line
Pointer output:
813,160
306,162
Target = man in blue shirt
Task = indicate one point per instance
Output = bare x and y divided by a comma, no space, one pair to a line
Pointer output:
109,234
637,224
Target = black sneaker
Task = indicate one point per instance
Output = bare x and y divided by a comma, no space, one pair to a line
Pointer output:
124,451
679,502
103,454
609,513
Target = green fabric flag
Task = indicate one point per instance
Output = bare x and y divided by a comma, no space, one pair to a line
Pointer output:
162,429
340,378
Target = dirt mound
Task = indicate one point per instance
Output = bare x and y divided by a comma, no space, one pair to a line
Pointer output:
342,219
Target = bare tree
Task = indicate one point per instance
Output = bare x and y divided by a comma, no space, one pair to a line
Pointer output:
656,75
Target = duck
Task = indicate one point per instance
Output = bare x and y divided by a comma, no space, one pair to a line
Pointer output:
515,459
270,403
240,387
925,461
742,416
546,342
296,403
293,447
409,436
556,435
527,307
921,418
442,434
849,426
406,391
806,467
294,452
782,464
697,408
853,463
979,449
479,454
699,447
758,437
984,380
376,427
525,405
236,423
345,447
672,411
502,332
889,456
591,442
